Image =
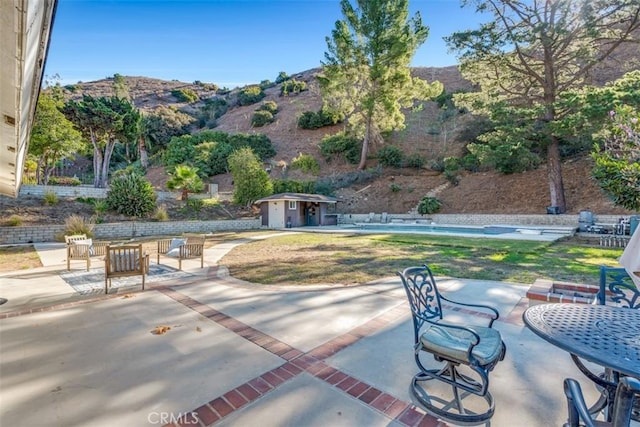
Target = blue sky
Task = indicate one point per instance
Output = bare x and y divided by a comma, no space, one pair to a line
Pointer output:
227,42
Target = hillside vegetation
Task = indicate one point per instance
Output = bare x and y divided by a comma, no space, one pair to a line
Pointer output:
432,133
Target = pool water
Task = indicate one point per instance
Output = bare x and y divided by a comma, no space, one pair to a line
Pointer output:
487,231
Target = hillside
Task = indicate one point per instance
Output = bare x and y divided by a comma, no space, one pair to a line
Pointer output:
484,192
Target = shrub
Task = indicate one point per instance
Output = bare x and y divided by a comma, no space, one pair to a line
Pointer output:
316,120
414,160
132,195
293,186
64,180
391,156
261,118
185,95
14,221
195,205
76,224
282,76
292,86
429,205
250,95
161,214
266,84
341,144
208,86
100,206
269,106
394,187
50,197
471,162
306,163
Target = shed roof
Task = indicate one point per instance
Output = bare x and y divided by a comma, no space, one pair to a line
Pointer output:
299,197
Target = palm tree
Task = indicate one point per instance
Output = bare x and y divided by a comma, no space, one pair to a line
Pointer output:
185,178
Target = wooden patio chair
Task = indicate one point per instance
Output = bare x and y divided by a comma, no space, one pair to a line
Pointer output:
124,261
189,247
79,247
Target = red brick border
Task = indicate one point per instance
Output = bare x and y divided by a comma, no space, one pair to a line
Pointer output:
311,362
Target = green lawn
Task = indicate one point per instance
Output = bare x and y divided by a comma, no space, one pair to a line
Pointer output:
313,258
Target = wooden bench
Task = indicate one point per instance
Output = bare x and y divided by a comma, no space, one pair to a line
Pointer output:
188,247
124,261
79,247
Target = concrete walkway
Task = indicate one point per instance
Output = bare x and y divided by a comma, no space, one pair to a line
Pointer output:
238,354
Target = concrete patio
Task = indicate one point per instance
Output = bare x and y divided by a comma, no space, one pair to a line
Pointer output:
238,354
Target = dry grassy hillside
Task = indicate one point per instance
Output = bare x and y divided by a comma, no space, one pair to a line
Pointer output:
485,192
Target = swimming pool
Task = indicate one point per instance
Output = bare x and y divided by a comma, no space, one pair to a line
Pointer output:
518,232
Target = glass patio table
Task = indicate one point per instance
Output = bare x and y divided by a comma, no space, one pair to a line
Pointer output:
605,335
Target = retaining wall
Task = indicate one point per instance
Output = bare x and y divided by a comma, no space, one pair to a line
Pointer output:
73,191
121,230
479,220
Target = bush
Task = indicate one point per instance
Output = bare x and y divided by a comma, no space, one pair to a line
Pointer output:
14,221
195,205
282,77
306,163
266,84
293,186
429,205
132,195
64,180
76,224
100,207
394,187
312,120
185,95
292,86
250,95
390,156
414,160
269,106
261,118
341,144
50,198
161,214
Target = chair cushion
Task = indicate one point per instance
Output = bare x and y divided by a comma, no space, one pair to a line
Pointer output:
88,242
174,247
454,343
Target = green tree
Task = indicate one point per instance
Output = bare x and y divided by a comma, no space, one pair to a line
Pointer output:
105,122
525,56
185,178
121,87
366,74
53,137
163,124
250,180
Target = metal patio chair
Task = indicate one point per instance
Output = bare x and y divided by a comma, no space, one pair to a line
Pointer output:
455,345
627,391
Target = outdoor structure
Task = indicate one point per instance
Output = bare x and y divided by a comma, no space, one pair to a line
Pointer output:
25,29
297,210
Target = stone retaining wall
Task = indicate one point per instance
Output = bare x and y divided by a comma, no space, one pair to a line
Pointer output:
121,230
72,191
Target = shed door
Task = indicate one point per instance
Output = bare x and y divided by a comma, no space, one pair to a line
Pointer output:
276,214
